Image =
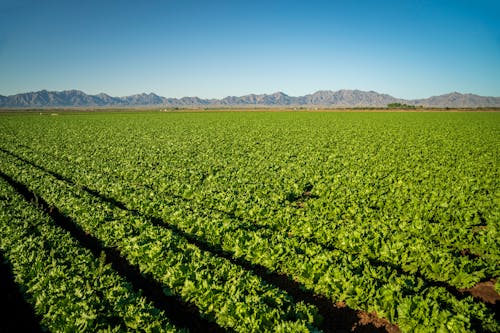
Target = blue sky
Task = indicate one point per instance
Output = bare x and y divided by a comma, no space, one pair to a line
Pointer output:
212,49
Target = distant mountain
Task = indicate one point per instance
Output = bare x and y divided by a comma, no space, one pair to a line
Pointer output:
143,99
323,98
458,100
66,98
348,98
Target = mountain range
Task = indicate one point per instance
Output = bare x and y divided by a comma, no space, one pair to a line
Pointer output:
322,98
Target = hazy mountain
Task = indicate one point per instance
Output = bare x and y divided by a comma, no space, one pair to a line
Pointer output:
348,98
46,98
143,99
458,100
277,98
323,98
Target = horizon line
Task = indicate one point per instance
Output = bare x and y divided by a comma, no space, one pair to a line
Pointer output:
243,95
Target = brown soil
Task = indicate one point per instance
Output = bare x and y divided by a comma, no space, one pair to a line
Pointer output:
362,322
468,253
370,319
478,228
484,291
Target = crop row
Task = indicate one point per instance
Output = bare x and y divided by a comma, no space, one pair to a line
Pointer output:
337,274
396,227
222,291
70,289
450,240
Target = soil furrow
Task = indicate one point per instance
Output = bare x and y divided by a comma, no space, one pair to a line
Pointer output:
336,316
179,312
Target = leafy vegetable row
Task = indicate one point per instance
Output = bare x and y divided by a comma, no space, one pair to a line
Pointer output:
337,274
417,242
404,299
69,288
228,294
417,192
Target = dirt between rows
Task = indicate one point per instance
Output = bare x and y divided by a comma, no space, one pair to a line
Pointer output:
367,322
484,291
337,316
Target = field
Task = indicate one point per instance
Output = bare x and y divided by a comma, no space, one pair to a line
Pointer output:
250,221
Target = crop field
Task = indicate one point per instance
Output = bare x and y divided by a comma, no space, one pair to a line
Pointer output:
250,222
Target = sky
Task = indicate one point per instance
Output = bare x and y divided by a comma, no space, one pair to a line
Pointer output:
213,49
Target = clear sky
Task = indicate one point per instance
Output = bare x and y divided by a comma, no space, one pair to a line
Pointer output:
212,49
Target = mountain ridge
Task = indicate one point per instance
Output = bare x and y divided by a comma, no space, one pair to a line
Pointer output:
320,98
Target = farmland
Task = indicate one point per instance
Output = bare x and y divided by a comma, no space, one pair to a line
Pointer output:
253,221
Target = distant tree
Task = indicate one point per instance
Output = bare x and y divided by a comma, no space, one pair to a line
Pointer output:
400,106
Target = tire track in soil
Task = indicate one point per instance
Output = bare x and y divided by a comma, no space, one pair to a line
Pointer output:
178,311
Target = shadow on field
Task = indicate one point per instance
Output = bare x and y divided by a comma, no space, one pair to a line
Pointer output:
179,312
16,315
337,317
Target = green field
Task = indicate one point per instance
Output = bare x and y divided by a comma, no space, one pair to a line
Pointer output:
252,221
